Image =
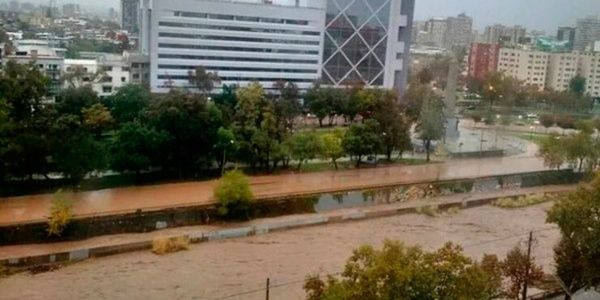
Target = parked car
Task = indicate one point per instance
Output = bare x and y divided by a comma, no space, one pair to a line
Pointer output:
372,160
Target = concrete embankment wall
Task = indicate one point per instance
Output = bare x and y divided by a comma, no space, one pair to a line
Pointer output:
141,221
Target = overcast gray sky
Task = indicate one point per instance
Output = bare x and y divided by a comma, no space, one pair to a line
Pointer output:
533,14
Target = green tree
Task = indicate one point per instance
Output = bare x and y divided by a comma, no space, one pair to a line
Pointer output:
233,194
25,133
192,127
128,103
578,148
23,87
287,106
226,146
227,101
362,140
305,146
520,269
136,147
577,85
553,152
79,154
412,101
320,102
570,265
203,80
97,118
74,100
578,217
401,272
430,126
332,146
394,125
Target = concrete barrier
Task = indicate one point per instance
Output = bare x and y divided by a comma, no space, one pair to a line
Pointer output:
230,233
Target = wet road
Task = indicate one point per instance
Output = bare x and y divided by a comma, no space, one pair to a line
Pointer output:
35,208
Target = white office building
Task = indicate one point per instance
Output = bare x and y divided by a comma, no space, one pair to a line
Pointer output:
339,42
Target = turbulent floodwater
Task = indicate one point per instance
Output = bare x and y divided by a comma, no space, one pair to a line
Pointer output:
218,269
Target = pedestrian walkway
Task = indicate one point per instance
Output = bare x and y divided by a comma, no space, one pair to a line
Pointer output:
33,209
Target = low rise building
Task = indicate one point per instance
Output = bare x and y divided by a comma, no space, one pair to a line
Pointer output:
45,58
105,74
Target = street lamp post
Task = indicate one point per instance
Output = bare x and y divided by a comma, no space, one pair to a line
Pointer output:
231,142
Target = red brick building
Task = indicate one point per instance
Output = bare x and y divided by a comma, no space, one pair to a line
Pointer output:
483,59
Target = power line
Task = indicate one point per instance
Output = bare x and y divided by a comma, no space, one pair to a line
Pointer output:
339,273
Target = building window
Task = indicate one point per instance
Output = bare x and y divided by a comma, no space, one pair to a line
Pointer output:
107,89
123,79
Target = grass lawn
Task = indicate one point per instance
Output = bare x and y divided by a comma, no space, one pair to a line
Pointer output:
536,138
349,165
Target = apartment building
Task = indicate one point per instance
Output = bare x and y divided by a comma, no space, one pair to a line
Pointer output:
562,67
105,74
483,59
590,70
45,58
527,66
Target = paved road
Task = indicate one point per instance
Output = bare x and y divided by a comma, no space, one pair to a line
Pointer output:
35,208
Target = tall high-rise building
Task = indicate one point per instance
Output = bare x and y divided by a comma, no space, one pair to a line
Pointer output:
459,32
130,16
339,42
14,5
483,59
504,34
436,29
566,34
586,33
71,10
365,41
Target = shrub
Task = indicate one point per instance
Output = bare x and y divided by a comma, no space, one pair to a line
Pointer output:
163,246
565,122
547,120
522,201
61,214
233,194
430,211
454,210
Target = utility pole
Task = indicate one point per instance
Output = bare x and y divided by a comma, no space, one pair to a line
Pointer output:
268,284
528,265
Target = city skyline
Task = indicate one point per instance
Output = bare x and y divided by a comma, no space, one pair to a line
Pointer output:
550,13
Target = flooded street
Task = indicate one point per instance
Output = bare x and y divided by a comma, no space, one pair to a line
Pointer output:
151,198
239,268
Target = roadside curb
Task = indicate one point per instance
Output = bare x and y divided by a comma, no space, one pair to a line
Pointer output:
80,254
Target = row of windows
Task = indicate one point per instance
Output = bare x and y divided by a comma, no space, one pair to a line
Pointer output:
184,77
240,69
188,14
235,39
238,28
287,51
251,59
